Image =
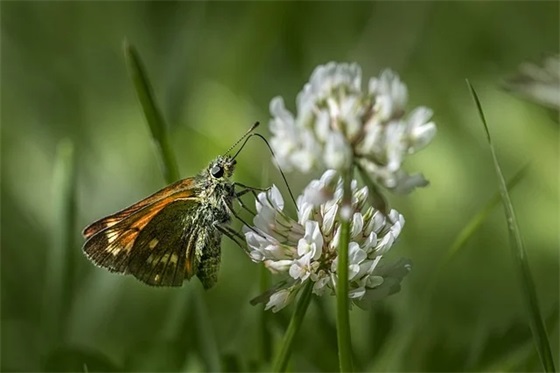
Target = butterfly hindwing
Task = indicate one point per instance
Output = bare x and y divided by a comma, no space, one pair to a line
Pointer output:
164,253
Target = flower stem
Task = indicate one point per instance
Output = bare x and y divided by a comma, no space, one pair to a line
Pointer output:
342,308
283,355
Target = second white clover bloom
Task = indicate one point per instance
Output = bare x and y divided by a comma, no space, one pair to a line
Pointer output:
338,123
306,249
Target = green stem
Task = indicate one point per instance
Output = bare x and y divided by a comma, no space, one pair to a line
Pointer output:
342,306
283,356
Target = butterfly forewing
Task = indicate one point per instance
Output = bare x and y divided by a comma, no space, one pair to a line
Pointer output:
181,188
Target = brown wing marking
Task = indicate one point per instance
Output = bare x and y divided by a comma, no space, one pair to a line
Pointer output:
180,189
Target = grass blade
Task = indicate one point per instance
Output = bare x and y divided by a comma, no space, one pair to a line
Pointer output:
59,272
520,256
152,113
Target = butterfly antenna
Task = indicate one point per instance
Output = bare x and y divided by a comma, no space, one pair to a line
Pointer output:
246,137
277,165
243,137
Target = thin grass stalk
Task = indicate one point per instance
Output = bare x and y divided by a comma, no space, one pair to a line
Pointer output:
152,113
519,254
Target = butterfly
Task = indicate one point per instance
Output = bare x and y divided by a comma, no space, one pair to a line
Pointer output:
175,233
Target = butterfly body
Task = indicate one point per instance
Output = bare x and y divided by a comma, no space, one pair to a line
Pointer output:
171,235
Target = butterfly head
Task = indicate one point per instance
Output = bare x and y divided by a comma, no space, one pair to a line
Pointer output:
222,167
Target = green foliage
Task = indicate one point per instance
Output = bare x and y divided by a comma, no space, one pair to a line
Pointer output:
213,68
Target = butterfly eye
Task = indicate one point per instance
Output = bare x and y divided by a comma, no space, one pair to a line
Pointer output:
217,171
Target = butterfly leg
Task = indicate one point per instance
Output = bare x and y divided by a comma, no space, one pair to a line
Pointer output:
247,189
232,234
232,211
235,214
244,206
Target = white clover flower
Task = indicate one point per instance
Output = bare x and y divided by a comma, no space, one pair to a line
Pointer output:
306,249
338,123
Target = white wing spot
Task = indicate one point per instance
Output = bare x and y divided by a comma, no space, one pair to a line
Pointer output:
153,243
111,222
112,236
170,258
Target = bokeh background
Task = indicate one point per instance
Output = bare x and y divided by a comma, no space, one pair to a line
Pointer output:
214,68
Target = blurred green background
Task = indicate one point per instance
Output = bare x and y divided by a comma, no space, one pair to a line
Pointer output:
215,67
